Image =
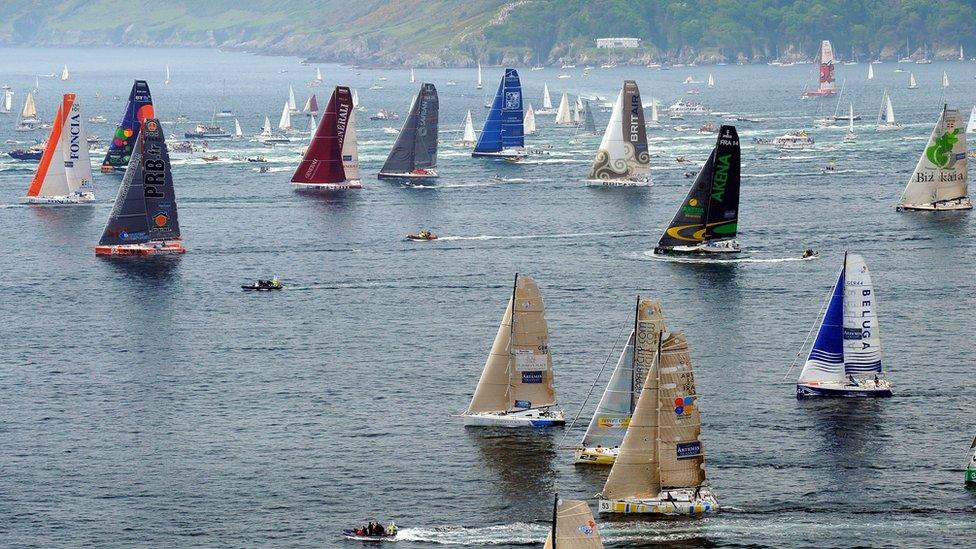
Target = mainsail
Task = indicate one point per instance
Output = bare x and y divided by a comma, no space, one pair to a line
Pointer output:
870,71
941,172
711,209
167,76
848,342
64,74
589,125
311,105
503,127
971,126
546,99
912,84
137,109
145,207
416,144
65,166
612,415
292,106
623,152
563,116
238,133
528,122
711,81
945,80
266,129
826,80
331,156
284,123
573,526
30,109
479,75
8,102
886,117
468,137
518,372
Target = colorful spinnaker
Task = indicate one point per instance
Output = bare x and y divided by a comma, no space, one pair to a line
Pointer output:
138,108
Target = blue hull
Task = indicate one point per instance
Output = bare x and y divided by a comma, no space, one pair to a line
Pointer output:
806,391
34,156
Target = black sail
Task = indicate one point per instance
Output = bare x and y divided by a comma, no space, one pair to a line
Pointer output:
711,209
588,123
145,207
416,144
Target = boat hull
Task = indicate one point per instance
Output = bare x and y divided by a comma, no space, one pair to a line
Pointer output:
703,249
963,203
818,93
503,154
352,535
534,417
684,501
85,198
161,248
430,174
190,135
595,456
806,390
353,184
643,182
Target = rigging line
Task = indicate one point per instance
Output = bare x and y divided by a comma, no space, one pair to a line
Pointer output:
812,328
593,386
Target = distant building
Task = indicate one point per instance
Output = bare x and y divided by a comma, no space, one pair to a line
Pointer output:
612,43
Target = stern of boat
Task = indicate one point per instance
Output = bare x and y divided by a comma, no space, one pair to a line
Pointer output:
123,250
595,456
686,501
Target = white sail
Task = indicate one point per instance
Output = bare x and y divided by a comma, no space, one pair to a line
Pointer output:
284,123
8,102
870,71
578,110
941,172
912,84
850,119
291,99
412,77
469,137
355,98
654,114
528,123
862,340
167,76
711,81
618,157
64,74
971,127
318,74
30,110
563,116
886,117
945,80
546,100
238,133
74,147
961,56
479,75
350,150
307,109
266,131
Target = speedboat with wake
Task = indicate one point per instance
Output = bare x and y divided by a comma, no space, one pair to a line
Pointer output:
423,235
263,285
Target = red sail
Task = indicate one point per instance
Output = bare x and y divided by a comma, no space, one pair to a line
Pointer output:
313,105
323,159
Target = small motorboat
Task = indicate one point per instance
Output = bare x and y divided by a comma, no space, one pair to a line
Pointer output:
422,236
256,159
211,158
263,285
808,254
379,538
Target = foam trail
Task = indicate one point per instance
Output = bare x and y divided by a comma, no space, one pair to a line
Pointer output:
537,236
651,256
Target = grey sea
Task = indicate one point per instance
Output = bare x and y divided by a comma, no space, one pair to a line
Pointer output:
152,403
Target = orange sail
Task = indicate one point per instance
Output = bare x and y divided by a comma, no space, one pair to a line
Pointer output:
50,176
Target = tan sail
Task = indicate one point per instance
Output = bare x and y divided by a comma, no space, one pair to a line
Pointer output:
680,451
518,372
30,110
635,473
575,527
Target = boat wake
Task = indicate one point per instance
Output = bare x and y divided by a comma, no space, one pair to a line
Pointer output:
519,533
649,255
537,236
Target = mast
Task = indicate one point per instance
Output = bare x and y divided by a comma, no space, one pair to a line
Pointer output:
633,362
555,517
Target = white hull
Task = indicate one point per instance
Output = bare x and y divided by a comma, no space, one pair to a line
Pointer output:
534,417
705,248
81,198
352,184
431,174
504,153
945,206
640,182
681,501
888,127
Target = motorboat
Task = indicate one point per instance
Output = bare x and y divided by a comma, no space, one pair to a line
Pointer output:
423,235
263,285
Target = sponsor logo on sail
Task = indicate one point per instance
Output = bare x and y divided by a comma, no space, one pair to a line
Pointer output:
604,422
523,404
688,450
532,377
693,208
721,176
940,151
513,100
684,406
588,528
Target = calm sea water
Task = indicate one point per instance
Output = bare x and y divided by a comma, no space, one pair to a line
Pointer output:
152,403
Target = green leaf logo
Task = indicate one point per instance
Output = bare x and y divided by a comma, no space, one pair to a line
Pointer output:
940,152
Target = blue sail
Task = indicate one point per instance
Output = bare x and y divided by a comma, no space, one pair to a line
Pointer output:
826,359
503,127
138,108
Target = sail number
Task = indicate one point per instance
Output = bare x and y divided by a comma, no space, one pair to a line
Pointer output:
154,179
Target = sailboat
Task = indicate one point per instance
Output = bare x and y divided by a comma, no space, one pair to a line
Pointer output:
355,101
238,133
284,122
706,222
563,115
502,135
64,74
516,387
166,82
28,116
845,358
414,154
138,108
292,106
589,125
7,106
479,75
546,102
886,117
623,158
578,111
528,123
64,175
318,75
660,468
468,138
825,60
331,161
971,126
961,56
939,180
144,219
412,77
601,443
311,106
971,465
711,82
655,122
573,526
851,137
870,71
945,80
912,84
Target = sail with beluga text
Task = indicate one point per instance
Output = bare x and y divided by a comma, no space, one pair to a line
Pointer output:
707,220
939,181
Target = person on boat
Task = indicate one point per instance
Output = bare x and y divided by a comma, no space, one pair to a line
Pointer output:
877,382
391,530
853,381
808,253
275,283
